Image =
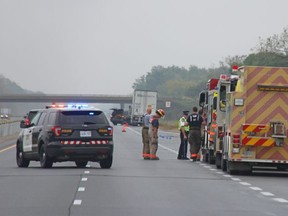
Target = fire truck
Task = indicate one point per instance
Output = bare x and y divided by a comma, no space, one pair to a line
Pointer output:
212,100
247,119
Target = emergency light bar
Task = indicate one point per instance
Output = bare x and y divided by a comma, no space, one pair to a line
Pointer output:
71,106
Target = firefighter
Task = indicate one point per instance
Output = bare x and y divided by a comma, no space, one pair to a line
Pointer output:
153,133
145,135
184,133
194,121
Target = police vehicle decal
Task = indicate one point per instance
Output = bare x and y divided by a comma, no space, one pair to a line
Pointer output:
27,139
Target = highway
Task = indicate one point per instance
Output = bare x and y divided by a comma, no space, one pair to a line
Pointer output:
137,187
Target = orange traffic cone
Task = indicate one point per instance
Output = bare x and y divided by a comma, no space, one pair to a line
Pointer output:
124,127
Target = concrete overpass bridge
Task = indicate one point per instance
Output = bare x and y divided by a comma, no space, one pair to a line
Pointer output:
66,98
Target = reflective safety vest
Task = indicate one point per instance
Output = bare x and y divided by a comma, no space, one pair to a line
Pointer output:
181,123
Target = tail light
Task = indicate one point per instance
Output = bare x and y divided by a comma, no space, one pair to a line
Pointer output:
56,130
27,122
110,131
236,138
236,143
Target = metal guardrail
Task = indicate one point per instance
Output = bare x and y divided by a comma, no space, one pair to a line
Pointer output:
9,128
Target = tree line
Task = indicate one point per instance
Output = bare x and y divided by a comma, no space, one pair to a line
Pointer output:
182,86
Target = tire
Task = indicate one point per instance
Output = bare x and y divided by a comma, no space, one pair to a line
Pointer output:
81,164
218,160
223,164
45,161
106,163
21,161
211,158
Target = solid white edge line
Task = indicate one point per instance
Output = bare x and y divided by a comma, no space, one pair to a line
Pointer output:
77,202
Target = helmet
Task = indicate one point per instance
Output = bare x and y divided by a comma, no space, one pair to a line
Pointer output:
160,112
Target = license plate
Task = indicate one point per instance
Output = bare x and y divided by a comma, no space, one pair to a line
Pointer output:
85,133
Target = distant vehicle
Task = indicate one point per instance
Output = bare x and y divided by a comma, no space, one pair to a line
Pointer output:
65,134
118,117
140,101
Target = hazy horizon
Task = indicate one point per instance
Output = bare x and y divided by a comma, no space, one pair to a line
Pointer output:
102,47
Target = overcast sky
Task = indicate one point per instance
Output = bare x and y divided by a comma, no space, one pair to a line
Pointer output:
103,46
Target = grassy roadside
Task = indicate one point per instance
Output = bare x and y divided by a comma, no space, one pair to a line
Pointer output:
171,126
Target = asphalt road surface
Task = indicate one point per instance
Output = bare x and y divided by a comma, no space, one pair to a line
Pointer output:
137,187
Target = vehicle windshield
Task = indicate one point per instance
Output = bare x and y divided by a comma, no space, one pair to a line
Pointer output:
83,117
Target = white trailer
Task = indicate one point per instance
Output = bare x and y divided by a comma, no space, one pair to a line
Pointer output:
140,101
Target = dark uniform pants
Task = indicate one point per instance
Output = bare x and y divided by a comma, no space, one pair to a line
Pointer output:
182,153
145,140
195,142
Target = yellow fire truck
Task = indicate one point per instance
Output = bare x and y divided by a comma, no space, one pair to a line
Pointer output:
255,122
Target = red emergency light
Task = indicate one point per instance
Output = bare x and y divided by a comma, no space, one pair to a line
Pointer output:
235,68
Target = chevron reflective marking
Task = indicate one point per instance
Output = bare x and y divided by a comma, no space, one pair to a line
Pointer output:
77,142
257,141
255,128
262,106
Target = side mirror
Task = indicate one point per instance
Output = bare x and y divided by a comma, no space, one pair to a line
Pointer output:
202,98
22,124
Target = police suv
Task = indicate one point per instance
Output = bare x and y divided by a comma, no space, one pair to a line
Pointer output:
65,134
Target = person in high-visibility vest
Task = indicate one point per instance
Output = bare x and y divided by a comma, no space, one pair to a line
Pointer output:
184,133
194,121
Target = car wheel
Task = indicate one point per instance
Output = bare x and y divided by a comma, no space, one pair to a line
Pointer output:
21,161
81,164
45,161
106,163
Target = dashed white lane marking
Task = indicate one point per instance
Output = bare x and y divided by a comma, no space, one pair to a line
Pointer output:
77,202
212,169
86,172
84,179
256,188
81,189
281,200
234,179
245,183
267,194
